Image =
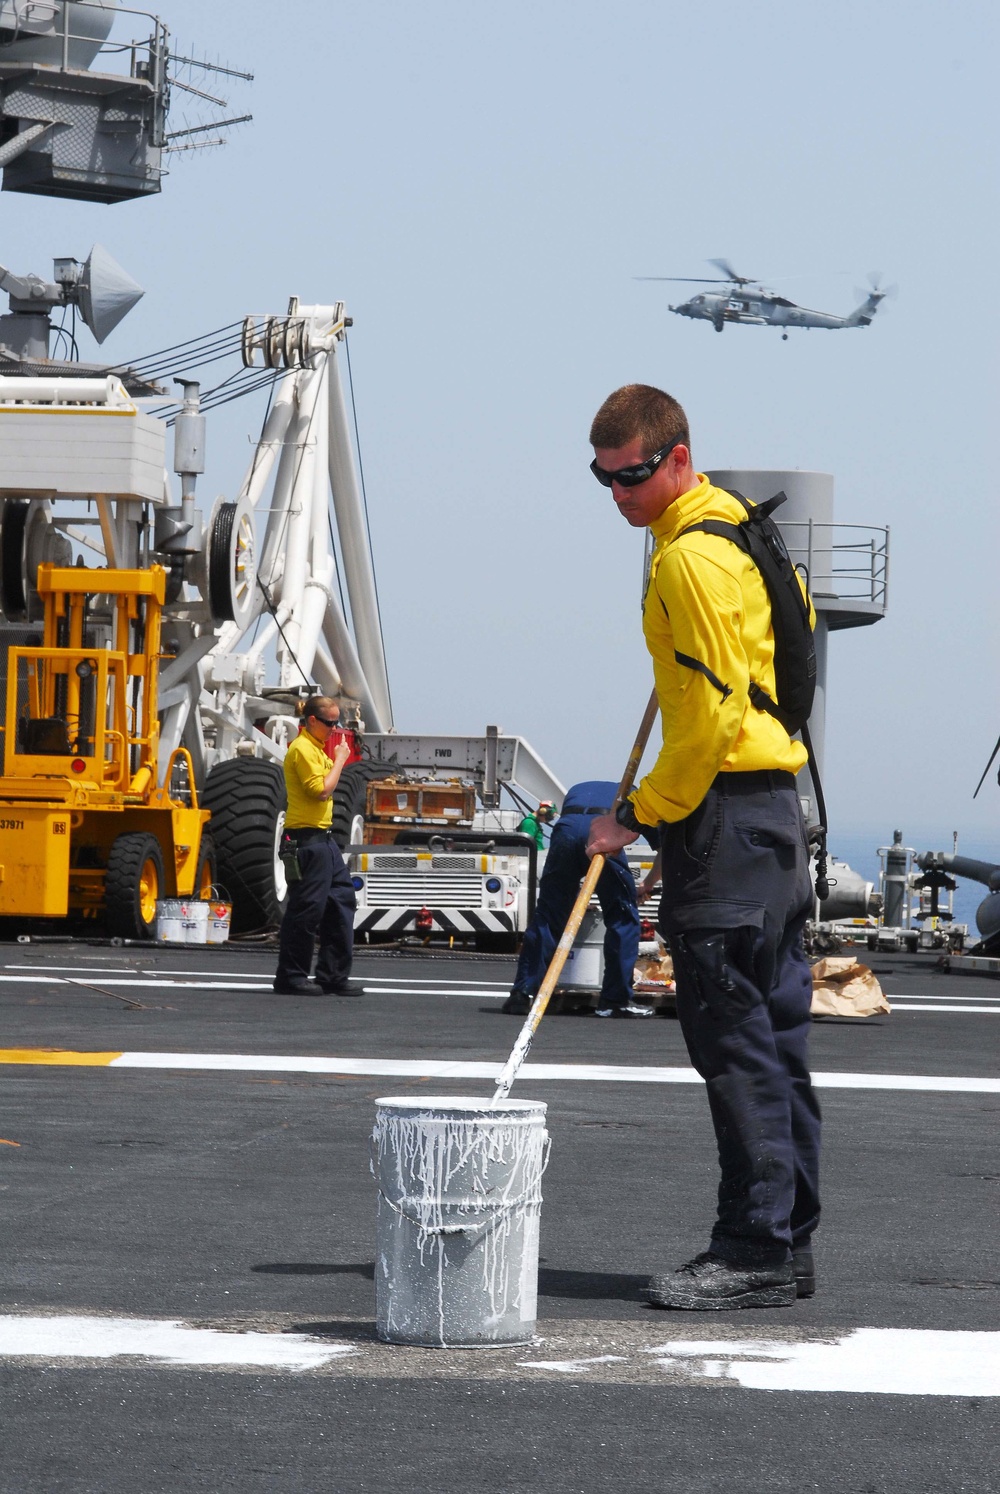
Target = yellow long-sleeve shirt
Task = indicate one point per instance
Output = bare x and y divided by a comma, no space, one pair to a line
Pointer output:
306,766
707,621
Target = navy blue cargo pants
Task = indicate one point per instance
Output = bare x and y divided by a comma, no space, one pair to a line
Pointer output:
322,904
736,895
566,865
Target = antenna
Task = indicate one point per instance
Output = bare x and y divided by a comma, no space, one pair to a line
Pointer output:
84,114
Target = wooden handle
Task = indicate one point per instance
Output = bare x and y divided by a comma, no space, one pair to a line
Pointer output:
520,1049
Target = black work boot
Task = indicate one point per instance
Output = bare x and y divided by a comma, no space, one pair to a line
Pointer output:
710,1284
518,1004
804,1270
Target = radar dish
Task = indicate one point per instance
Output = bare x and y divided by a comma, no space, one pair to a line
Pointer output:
107,293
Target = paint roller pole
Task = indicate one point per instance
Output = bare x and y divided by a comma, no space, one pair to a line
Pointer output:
520,1049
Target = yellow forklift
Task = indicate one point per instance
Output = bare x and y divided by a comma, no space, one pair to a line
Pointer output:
87,830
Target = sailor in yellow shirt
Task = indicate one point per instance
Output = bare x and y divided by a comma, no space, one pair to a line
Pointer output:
321,898
735,861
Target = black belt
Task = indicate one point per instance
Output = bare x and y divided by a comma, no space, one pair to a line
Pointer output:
755,782
303,830
574,809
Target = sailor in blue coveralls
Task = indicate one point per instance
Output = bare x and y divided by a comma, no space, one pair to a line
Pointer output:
565,867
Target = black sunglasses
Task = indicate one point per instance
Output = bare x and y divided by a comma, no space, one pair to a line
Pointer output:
631,477
324,722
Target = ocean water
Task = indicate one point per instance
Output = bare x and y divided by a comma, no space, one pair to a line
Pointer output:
859,848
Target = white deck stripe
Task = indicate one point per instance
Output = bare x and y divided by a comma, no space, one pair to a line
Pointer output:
160,1342
864,1361
123,970
408,991
868,1361
916,1006
423,1068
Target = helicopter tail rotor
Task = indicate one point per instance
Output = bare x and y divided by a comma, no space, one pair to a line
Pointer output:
877,290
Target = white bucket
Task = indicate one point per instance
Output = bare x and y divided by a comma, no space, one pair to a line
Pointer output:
219,918
181,921
169,925
584,967
459,1203
194,919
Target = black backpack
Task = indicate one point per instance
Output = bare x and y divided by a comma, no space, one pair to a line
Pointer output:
759,537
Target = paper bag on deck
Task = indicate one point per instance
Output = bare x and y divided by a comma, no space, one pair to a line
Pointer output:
655,972
843,988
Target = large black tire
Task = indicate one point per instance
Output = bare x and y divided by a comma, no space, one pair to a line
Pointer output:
206,876
349,799
247,799
132,884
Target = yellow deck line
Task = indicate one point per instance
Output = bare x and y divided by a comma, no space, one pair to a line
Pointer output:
57,1056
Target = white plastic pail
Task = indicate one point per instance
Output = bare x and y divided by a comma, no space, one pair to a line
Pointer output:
459,1203
169,925
584,967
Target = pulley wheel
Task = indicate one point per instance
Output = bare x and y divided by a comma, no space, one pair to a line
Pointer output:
232,563
247,343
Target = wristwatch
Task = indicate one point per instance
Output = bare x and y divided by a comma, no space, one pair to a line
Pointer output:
625,815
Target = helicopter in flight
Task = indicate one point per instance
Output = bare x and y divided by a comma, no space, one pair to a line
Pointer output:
748,302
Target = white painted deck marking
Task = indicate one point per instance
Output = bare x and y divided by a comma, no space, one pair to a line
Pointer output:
415,980
914,1006
497,995
865,1361
160,1342
431,1068
869,1361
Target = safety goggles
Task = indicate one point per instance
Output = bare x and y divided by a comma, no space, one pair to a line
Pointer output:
631,477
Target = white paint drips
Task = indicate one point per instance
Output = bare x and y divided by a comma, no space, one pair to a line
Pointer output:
166,1342
869,1361
571,1366
458,1219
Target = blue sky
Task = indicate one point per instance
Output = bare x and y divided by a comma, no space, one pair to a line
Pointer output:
481,184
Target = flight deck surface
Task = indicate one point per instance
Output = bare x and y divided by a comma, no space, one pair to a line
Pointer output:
187,1272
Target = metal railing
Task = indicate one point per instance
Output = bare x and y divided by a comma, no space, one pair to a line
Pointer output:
847,561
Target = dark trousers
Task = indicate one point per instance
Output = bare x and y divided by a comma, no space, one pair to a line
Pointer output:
322,904
565,867
736,895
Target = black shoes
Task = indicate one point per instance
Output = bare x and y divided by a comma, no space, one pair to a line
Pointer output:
313,988
804,1272
518,1004
710,1284
627,1009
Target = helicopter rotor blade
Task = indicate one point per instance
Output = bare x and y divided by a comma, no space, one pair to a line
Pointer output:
682,279
730,273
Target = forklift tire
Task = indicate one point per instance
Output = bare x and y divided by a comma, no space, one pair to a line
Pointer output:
247,799
349,802
205,876
133,883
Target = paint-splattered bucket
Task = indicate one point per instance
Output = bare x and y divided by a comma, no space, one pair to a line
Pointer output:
169,922
459,1202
